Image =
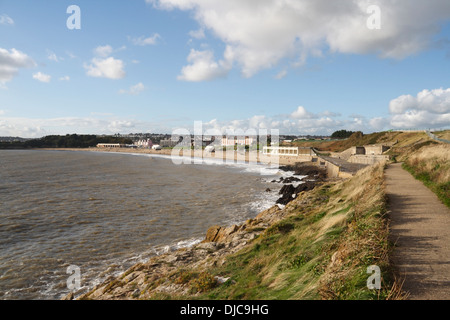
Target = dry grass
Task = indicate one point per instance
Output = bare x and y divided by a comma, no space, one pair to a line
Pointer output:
443,134
331,240
433,158
431,165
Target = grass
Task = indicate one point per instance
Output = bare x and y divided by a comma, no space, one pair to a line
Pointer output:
321,251
431,165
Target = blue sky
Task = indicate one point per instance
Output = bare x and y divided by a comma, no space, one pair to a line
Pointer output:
302,67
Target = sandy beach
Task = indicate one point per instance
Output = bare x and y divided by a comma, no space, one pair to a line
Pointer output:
181,154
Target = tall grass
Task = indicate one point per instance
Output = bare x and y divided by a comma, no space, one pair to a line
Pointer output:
431,165
321,250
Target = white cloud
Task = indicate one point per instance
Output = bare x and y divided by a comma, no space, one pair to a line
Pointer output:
197,34
103,51
301,113
202,67
435,101
429,109
10,62
6,20
65,78
258,34
300,121
145,41
134,90
53,57
109,68
2,112
42,77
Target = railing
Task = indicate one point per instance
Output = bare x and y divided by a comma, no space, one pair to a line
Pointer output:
434,137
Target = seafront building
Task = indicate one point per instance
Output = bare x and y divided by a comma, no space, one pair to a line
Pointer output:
144,143
111,145
288,151
240,141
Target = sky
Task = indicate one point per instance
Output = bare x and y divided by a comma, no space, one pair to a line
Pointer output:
153,66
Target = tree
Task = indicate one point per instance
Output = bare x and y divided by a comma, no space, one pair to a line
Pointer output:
341,134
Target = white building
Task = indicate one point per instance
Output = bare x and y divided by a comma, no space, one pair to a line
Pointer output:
111,145
241,141
281,151
144,143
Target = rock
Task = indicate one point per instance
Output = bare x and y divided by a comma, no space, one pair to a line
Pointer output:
211,234
209,246
70,296
289,192
286,194
136,293
291,179
312,171
268,190
221,280
219,234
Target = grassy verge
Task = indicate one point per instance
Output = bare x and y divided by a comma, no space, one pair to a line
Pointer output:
320,251
431,165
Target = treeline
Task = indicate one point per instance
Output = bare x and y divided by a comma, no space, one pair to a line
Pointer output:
341,134
67,141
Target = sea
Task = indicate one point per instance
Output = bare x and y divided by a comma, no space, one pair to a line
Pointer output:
103,212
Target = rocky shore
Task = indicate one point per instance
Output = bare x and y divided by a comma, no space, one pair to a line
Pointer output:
312,175
163,274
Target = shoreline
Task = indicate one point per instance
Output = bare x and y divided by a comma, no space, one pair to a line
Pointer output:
217,243
227,157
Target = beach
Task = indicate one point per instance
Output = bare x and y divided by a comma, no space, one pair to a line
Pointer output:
228,156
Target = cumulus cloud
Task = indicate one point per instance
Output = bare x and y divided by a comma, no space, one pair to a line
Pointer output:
109,68
145,41
134,90
202,67
435,101
42,77
300,121
301,113
10,63
430,108
258,34
65,78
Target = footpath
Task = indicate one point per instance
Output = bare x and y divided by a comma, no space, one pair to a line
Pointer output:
420,229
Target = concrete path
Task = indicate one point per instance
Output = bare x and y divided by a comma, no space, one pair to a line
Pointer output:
420,227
